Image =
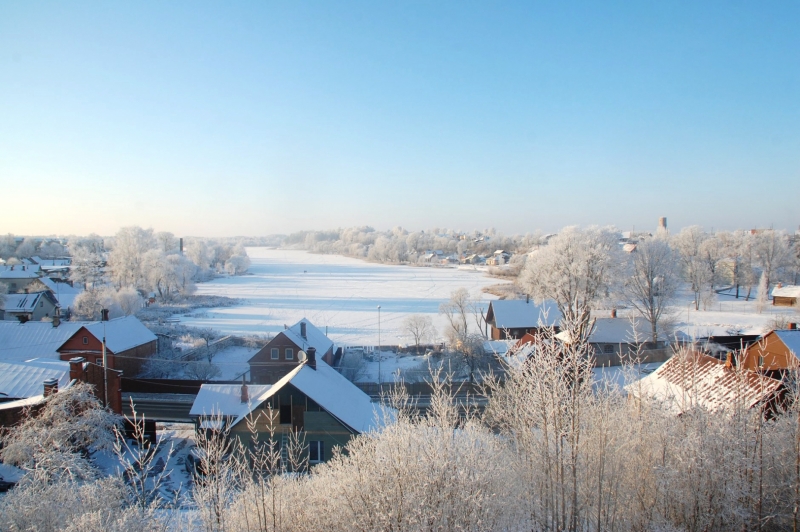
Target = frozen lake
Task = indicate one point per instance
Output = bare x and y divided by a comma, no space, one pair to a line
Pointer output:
336,292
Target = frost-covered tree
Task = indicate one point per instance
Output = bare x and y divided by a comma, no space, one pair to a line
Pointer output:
127,256
695,269
651,279
772,253
576,269
237,264
420,328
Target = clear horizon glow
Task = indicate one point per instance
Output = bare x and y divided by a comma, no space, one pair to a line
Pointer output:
256,118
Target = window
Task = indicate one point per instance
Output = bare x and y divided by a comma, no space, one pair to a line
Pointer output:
41,304
316,452
286,415
760,361
85,340
608,348
275,353
289,353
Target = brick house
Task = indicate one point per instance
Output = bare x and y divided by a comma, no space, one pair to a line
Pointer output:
128,344
280,355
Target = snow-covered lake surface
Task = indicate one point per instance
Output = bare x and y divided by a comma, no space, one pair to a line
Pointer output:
336,292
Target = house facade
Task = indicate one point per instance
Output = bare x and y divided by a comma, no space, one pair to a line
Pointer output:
785,296
29,307
776,353
282,353
511,319
312,400
129,344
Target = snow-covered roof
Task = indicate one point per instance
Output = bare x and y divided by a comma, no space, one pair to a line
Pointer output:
23,341
314,337
64,293
226,400
521,313
786,291
20,380
617,330
25,302
791,339
121,333
19,271
324,385
695,379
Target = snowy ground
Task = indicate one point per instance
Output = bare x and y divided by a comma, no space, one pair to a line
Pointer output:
338,293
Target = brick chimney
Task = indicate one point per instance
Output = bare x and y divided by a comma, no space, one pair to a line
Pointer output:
104,314
245,394
76,371
792,326
50,387
729,361
56,318
303,330
311,358
613,313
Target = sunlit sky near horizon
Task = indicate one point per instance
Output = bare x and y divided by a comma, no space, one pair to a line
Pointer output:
253,118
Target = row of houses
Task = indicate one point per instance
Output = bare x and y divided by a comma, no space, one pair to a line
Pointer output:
437,256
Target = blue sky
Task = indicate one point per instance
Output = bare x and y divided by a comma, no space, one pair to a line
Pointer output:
204,118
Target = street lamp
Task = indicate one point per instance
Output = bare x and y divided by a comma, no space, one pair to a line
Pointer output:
379,345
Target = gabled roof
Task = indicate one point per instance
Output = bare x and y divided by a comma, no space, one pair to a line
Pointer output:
324,385
786,291
25,379
791,339
695,379
521,313
19,271
226,400
314,337
121,333
617,331
26,302
23,341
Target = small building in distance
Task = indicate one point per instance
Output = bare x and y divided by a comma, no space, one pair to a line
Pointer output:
511,319
785,296
280,355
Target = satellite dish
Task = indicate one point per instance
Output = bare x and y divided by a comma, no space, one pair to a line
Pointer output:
301,356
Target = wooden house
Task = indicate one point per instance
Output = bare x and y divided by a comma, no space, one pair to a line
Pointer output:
775,353
29,307
279,356
313,400
785,296
513,318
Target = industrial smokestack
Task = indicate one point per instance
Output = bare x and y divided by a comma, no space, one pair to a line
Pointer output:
180,240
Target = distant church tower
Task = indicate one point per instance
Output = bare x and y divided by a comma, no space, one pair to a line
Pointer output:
662,223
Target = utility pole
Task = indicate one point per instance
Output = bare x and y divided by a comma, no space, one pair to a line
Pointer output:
379,346
105,362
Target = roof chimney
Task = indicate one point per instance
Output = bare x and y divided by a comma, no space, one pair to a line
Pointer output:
76,369
104,314
792,326
56,318
311,357
729,360
245,395
527,298
50,387
303,330
613,313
